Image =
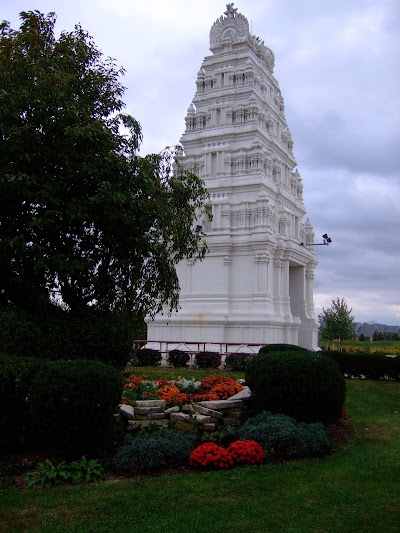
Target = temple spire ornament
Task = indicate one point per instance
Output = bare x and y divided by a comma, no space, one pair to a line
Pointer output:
230,11
255,284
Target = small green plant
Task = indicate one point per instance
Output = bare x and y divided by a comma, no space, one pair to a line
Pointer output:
48,474
85,471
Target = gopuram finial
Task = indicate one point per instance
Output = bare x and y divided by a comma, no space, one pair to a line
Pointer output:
230,11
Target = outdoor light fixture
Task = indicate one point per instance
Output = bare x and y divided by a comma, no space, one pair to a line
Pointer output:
199,231
326,238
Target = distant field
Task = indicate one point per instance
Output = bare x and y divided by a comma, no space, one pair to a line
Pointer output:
363,346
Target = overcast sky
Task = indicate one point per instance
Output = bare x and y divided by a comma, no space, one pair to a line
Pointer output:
337,64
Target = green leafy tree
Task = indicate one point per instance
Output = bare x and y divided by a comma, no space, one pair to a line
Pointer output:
83,218
336,322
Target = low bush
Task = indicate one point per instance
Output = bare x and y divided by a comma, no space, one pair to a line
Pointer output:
292,348
16,377
57,334
246,452
146,357
210,455
72,405
237,362
206,360
366,365
281,437
308,387
151,451
178,358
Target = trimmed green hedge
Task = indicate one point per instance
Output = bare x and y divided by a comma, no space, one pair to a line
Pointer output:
57,334
16,377
178,358
366,365
308,387
206,360
146,357
274,348
237,362
72,405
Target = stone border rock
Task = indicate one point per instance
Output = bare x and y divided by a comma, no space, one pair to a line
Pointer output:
206,415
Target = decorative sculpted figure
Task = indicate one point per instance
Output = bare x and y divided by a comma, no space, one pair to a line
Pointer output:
230,10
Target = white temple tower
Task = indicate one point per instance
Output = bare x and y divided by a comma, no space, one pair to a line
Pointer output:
256,283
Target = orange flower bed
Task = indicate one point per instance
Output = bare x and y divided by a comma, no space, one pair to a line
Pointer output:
171,394
210,389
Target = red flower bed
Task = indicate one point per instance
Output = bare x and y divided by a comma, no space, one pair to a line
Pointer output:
246,452
209,455
240,452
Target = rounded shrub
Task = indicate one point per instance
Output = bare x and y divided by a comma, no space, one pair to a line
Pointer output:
151,451
236,362
205,360
210,455
146,357
16,377
292,348
178,358
72,405
308,387
281,437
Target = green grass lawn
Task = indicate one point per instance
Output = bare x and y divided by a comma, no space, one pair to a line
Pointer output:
356,489
387,347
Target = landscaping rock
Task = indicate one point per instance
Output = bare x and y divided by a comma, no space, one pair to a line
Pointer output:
148,410
157,416
181,416
202,419
243,394
151,403
127,411
205,411
170,410
220,405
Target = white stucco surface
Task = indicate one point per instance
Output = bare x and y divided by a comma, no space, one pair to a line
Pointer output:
256,283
